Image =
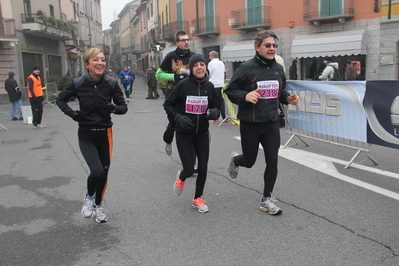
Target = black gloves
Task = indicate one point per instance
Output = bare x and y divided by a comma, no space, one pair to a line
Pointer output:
179,77
184,122
75,115
110,107
213,114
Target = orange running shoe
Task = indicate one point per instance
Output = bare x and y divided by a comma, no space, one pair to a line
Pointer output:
178,185
200,205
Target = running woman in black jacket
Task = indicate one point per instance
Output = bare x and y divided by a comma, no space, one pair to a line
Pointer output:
98,96
188,105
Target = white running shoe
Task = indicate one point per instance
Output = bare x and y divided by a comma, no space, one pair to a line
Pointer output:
87,207
101,217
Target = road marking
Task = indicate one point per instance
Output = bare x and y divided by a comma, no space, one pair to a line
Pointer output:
325,165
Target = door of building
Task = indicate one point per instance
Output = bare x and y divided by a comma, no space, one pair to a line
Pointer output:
29,60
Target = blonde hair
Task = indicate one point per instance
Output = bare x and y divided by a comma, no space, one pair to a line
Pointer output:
90,53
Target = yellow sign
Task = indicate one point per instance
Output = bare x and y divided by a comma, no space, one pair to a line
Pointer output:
32,47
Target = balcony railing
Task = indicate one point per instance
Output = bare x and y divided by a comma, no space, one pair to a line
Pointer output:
127,50
136,49
7,28
155,36
251,18
46,27
315,10
168,30
206,26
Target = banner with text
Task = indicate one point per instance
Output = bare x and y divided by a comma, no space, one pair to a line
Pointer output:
366,111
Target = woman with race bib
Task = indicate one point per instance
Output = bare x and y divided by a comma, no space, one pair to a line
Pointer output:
191,104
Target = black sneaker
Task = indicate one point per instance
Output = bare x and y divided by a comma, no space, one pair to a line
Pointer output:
14,119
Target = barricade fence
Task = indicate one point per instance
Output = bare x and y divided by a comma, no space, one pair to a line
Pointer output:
230,109
51,93
347,113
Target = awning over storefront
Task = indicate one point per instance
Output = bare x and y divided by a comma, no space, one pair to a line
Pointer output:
168,48
238,51
338,43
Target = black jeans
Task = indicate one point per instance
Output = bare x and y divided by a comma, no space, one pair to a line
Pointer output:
185,144
96,148
268,135
221,102
37,109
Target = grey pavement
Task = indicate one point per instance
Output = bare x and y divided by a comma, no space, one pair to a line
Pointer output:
325,221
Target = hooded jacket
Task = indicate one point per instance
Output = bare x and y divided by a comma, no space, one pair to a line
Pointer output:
328,71
255,72
92,100
186,92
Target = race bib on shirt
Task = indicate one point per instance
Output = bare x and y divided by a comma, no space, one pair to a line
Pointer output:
196,104
268,89
184,71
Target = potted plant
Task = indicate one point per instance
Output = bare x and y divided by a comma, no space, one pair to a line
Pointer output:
52,21
39,13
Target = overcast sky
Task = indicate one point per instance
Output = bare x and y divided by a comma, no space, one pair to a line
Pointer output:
107,10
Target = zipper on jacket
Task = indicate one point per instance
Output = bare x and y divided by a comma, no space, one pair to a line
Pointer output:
97,104
253,105
198,115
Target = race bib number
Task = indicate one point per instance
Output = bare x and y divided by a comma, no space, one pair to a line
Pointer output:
196,104
268,89
184,71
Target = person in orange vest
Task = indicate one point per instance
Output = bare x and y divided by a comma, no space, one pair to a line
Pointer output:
36,98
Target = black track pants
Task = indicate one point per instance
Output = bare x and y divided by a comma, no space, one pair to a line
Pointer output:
96,148
268,135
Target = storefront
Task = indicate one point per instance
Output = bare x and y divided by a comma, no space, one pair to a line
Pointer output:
341,46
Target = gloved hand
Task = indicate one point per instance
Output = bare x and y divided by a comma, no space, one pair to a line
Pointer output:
110,107
213,114
179,77
184,122
75,115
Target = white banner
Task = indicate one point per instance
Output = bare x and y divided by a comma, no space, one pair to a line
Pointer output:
332,108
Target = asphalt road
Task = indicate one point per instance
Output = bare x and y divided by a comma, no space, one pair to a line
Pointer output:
326,219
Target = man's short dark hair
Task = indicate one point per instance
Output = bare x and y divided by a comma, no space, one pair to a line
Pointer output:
178,34
349,62
263,35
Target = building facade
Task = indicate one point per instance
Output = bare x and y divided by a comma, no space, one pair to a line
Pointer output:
308,30
51,34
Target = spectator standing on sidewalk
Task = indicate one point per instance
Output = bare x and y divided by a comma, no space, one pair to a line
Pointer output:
152,84
216,71
328,72
99,96
258,87
350,71
174,68
36,97
293,71
14,95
